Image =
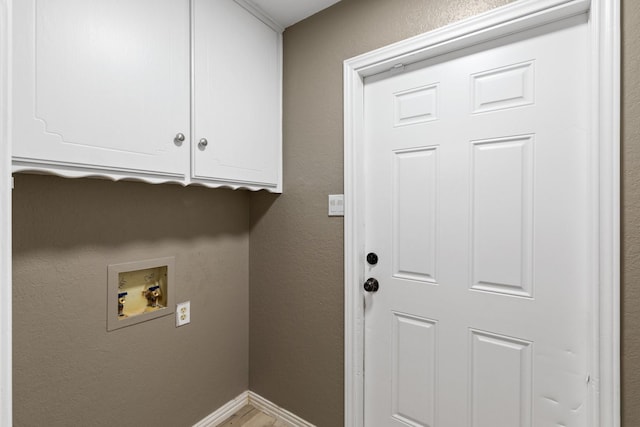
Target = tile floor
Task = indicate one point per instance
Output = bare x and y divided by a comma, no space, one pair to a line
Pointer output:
248,416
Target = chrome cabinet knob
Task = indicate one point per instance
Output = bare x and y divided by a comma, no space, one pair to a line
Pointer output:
203,143
179,138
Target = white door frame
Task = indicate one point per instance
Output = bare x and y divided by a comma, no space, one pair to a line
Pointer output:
604,30
6,402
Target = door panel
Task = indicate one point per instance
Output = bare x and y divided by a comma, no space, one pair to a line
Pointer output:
477,204
501,215
414,216
503,366
414,369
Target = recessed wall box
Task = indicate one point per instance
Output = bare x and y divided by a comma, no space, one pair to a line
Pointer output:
139,291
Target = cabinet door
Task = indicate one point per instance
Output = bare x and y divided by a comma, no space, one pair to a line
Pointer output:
237,59
101,87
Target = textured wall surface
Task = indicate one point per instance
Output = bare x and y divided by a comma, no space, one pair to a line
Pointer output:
68,370
296,274
630,213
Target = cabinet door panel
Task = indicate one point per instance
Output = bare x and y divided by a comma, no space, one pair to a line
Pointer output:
236,96
101,86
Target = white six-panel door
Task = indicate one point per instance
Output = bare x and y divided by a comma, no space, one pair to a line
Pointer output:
478,206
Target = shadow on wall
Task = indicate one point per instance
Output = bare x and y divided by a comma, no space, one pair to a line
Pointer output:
58,213
261,202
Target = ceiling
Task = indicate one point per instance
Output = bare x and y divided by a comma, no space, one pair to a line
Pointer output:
288,12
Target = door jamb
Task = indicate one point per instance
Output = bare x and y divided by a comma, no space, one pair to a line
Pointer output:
604,27
6,401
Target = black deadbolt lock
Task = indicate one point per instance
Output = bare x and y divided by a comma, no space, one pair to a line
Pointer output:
372,258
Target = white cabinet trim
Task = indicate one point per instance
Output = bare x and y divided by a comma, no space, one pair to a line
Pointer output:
605,65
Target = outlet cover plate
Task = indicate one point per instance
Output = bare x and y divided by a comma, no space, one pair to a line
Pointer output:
183,313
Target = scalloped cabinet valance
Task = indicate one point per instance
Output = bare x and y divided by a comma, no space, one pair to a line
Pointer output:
183,91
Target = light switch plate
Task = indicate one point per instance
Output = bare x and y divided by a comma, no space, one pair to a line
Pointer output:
183,313
336,204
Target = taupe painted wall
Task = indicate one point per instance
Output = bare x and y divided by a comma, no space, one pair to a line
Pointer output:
296,274
630,213
68,370
296,291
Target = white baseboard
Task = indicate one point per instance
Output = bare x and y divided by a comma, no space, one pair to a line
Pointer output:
225,411
272,409
259,402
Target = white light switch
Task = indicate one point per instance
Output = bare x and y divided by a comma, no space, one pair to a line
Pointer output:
336,204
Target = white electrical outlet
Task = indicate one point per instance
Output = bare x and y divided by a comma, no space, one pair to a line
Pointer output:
183,313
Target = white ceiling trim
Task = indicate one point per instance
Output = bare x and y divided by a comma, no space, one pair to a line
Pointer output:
287,12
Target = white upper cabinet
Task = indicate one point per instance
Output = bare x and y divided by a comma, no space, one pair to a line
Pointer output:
126,89
236,95
101,87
